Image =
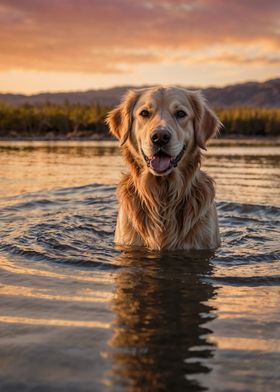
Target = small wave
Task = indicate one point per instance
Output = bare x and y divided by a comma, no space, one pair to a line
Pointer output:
75,226
99,260
253,211
248,281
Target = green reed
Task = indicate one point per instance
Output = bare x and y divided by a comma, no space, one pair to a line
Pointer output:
247,121
79,120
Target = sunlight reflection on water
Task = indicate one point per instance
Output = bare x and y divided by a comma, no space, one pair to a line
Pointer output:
79,315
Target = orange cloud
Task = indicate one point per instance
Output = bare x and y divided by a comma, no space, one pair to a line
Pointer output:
239,59
94,36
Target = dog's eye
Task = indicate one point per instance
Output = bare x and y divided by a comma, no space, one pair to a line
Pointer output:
144,113
180,114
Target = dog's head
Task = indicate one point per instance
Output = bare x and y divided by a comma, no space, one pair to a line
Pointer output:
162,125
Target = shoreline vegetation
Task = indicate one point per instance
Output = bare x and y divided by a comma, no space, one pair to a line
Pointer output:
86,122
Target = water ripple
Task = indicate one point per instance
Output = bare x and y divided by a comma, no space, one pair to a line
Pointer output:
75,226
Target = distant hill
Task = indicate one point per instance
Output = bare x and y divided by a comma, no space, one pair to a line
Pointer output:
253,94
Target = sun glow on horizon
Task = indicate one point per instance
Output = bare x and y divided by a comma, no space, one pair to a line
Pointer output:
56,46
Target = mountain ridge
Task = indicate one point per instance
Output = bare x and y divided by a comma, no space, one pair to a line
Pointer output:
251,94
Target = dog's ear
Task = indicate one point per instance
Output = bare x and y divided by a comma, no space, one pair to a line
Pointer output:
206,123
120,119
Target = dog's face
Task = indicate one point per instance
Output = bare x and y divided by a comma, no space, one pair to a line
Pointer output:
162,125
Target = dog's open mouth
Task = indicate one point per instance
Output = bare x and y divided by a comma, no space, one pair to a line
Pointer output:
161,161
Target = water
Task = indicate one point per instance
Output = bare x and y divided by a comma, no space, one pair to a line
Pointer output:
79,315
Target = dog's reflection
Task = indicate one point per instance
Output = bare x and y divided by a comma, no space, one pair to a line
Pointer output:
160,341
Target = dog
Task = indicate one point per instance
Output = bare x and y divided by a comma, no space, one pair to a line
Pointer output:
165,200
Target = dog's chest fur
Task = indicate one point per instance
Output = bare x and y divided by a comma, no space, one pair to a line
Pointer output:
167,212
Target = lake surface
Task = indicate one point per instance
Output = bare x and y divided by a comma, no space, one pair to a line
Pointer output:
79,315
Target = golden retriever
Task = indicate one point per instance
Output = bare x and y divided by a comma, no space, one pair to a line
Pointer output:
165,200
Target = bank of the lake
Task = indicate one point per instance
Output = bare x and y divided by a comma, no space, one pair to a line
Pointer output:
98,140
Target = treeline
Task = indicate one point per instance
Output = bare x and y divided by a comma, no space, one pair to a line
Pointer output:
85,121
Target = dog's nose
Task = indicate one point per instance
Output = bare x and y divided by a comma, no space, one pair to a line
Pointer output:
160,137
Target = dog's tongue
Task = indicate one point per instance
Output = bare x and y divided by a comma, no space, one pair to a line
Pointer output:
160,163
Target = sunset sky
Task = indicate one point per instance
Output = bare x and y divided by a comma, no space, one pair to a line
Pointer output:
64,45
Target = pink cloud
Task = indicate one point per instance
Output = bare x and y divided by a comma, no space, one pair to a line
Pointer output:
101,36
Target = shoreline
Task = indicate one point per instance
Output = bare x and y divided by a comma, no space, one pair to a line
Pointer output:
237,141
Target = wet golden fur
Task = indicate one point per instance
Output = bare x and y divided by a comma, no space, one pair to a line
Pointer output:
176,210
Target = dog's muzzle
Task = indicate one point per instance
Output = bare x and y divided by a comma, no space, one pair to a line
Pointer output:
161,161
